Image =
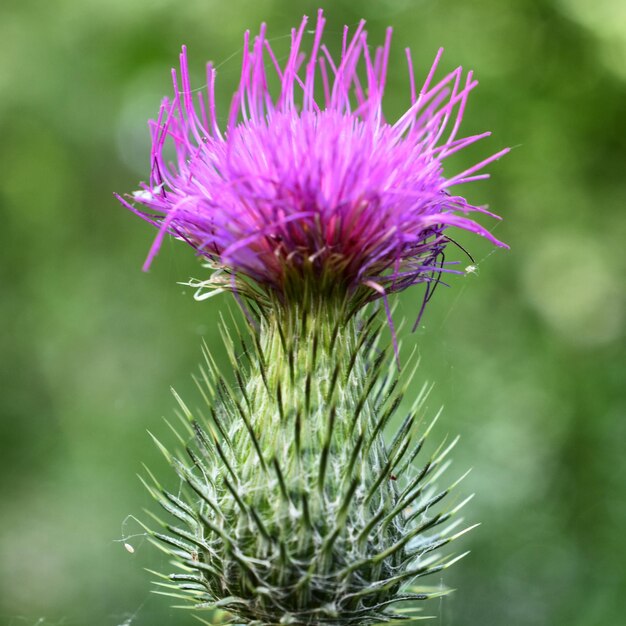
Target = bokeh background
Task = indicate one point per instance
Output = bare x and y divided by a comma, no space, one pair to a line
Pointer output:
526,352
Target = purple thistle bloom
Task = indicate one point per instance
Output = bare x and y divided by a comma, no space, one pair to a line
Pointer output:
314,179
312,204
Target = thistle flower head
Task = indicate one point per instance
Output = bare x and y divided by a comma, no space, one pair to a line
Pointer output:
293,508
313,180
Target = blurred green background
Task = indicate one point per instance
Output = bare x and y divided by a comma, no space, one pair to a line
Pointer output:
526,352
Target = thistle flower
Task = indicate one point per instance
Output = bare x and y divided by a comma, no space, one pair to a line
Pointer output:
294,509
313,180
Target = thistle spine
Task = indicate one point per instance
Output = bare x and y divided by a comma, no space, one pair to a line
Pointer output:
295,509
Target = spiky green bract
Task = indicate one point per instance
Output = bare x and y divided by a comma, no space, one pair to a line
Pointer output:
294,509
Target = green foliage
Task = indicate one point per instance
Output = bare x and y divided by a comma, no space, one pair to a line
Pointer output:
527,353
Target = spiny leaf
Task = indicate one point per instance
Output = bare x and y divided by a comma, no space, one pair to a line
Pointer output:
326,448
164,451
